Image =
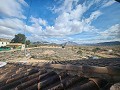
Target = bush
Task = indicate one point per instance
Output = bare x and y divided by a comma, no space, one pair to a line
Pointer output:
79,52
33,56
96,49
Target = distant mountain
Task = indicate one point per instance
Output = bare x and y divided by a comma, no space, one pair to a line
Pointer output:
109,43
70,43
102,44
41,42
44,43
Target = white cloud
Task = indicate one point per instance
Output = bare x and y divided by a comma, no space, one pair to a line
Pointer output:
10,26
23,2
109,3
6,36
11,21
93,16
113,32
70,21
11,8
9,31
36,29
66,6
38,21
110,34
35,37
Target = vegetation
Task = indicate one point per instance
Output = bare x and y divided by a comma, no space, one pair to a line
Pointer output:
68,53
79,52
96,49
28,42
20,38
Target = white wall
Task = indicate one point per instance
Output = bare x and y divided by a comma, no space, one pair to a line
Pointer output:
23,47
3,43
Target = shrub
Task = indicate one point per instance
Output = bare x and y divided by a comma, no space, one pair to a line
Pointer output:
79,52
96,49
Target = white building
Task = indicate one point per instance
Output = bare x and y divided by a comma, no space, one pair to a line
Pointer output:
4,42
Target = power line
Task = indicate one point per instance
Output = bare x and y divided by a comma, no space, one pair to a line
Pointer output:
26,24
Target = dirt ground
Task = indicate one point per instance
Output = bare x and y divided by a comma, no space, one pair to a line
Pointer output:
50,53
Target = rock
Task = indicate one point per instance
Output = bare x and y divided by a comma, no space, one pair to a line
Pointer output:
115,86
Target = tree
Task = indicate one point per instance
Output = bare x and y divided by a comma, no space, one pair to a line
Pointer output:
19,38
27,42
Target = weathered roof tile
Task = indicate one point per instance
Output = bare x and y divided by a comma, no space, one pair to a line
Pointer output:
27,77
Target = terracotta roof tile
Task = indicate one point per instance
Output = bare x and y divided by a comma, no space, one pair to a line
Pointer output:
18,76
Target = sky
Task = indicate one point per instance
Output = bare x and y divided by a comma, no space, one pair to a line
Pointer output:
58,21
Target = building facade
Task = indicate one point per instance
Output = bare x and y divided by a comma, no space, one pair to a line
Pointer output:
4,42
16,46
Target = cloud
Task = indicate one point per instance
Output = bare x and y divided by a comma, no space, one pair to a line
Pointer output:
108,35
9,31
11,21
11,8
65,24
35,38
93,16
6,32
36,28
112,33
66,6
23,2
109,3
38,21
70,21
10,26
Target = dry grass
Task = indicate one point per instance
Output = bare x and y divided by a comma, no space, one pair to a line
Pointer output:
59,53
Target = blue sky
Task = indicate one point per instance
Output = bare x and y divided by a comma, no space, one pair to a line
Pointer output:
81,21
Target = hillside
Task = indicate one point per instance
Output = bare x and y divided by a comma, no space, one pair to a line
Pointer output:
109,43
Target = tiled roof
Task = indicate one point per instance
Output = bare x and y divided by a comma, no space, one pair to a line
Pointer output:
18,76
4,40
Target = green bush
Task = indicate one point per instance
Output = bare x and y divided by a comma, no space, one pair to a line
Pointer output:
79,52
96,49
